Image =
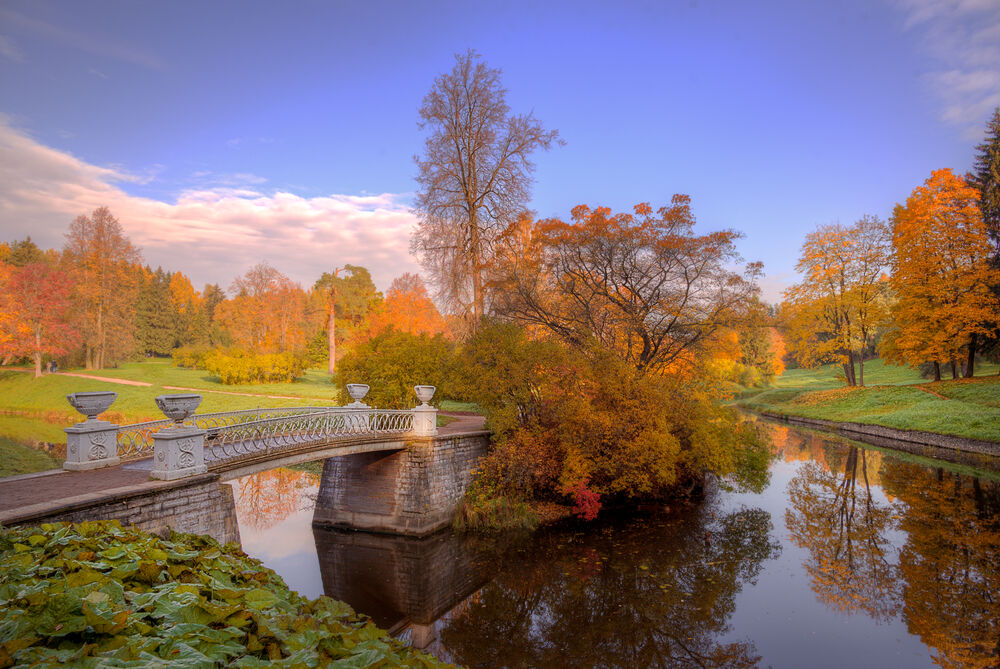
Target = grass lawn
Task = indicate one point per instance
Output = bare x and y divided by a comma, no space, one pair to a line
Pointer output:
45,397
895,397
19,459
314,384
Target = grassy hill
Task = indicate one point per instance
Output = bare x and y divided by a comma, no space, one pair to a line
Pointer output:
894,397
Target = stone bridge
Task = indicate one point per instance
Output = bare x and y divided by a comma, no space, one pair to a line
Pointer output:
387,471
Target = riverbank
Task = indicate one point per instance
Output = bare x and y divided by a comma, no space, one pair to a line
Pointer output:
951,414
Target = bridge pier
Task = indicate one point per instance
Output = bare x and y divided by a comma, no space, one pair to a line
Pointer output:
411,491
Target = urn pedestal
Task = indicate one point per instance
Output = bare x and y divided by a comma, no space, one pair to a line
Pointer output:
93,443
178,452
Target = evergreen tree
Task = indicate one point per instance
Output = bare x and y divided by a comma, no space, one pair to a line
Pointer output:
25,252
986,179
155,319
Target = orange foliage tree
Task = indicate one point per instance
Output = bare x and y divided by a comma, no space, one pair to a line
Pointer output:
407,307
36,308
268,312
836,310
104,266
941,274
642,285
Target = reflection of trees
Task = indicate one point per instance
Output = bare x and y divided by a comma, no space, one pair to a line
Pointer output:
658,594
265,499
844,529
950,562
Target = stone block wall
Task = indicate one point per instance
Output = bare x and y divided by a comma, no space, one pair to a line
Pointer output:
418,581
200,505
411,491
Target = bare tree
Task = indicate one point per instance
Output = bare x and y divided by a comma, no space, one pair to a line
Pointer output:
474,176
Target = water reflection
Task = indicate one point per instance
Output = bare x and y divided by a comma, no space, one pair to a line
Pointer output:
409,586
949,565
656,591
852,555
836,515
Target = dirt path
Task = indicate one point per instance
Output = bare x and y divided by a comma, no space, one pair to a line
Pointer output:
928,390
230,392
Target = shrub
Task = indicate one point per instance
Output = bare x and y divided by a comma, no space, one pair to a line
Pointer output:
485,509
392,363
192,357
240,367
563,415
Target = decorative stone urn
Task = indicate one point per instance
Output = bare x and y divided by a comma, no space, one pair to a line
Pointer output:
424,393
357,391
179,450
92,405
178,407
424,416
93,443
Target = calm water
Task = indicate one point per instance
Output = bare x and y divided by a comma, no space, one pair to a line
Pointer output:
851,557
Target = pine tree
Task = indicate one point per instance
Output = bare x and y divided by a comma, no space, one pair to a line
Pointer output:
986,179
155,318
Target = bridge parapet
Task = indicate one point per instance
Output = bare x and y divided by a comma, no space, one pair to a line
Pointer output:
184,449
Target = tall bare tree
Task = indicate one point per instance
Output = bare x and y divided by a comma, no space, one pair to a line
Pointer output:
474,177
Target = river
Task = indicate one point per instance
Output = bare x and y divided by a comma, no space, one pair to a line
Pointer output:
851,556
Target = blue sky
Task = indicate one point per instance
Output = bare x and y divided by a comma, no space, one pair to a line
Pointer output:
225,133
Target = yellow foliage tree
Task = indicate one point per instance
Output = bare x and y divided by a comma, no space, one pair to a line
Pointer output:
941,274
837,308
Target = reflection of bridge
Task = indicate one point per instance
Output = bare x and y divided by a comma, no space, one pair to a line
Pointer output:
401,475
418,584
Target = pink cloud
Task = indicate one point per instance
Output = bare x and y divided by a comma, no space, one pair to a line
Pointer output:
212,234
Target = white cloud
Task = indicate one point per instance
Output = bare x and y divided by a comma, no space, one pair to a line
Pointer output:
964,37
211,233
9,50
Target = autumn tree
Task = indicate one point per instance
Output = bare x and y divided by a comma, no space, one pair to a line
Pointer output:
407,307
942,275
474,177
103,264
643,285
841,302
37,310
267,313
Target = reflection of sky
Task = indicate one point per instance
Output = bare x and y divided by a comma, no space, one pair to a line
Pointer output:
788,624
288,546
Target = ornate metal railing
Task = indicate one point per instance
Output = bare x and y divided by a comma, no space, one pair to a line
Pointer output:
136,440
274,434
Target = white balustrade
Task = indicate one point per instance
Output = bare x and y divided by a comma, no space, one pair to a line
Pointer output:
185,443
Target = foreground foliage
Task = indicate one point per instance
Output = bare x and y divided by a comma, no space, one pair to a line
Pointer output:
99,595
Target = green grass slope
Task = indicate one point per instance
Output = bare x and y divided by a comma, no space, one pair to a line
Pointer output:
895,397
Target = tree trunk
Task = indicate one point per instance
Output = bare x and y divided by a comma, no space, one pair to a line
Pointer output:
954,369
849,370
38,353
937,371
99,349
861,369
970,365
477,273
332,337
